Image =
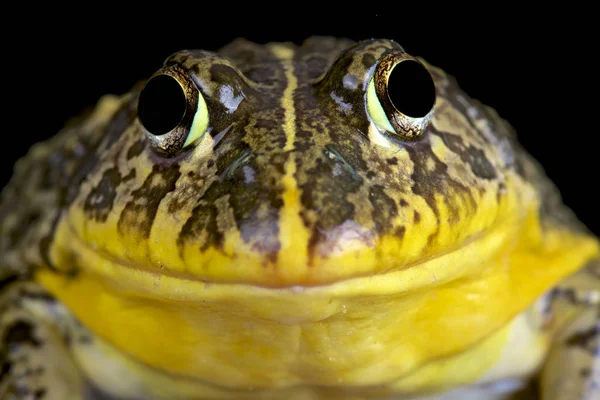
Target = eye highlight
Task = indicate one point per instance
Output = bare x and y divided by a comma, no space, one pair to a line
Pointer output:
172,111
401,96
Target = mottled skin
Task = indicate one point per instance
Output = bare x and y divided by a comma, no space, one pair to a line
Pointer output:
297,245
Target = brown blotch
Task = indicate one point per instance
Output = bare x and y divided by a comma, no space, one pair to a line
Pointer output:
416,217
139,213
588,339
368,60
267,123
399,232
256,204
25,292
427,183
327,195
262,74
202,227
480,165
99,202
20,332
472,156
384,209
500,192
129,176
136,149
585,372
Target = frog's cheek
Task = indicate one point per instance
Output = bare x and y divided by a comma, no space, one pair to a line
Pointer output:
199,123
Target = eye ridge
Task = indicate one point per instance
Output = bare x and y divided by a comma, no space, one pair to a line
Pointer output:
165,141
407,126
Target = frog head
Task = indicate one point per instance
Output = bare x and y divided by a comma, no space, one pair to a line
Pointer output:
279,165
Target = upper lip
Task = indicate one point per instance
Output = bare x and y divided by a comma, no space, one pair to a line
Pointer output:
187,287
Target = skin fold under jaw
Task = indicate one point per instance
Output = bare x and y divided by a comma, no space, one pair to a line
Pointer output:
293,233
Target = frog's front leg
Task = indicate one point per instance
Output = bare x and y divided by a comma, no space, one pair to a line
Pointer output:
572,368
34,350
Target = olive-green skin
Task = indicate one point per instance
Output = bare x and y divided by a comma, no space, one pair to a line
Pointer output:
291,163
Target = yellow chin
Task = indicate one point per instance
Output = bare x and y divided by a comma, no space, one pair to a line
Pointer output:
370,330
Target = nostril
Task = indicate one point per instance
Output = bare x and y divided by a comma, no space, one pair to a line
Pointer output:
335,157
241,160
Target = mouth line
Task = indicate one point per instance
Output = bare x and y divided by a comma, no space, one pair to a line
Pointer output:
435,269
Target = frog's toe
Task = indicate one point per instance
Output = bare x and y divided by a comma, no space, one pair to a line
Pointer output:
33,354
571,371
572,368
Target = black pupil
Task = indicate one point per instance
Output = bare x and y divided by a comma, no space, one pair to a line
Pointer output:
411,89
161,105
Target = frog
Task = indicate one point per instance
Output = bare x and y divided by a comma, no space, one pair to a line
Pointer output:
325,220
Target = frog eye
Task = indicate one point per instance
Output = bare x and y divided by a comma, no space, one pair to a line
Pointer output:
401,96
172,111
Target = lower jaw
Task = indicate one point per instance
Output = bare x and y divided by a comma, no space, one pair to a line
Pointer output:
118,374
365,331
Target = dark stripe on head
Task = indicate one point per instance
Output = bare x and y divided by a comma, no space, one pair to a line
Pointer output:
139,213
471,156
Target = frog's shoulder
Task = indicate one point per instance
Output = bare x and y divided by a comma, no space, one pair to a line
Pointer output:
553,212
47,179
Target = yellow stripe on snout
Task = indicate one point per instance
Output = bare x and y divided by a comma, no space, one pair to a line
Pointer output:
293,234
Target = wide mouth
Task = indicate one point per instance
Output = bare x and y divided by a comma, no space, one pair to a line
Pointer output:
399,319
435,269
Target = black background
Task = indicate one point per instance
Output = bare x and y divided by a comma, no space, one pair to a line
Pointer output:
537,70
